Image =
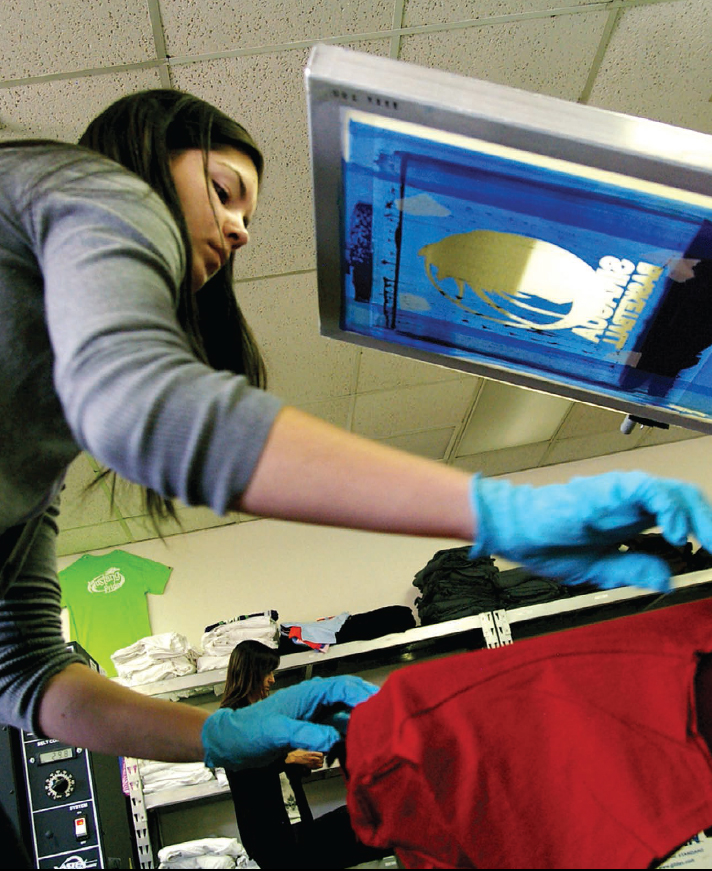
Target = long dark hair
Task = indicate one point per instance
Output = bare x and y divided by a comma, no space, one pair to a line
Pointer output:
142,131
250,663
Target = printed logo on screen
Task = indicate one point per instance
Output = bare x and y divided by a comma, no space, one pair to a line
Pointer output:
530,284
107,582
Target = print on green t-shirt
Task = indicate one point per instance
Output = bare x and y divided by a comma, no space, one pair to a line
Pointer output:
106,600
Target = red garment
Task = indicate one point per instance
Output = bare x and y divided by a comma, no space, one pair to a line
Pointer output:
295,633
573,750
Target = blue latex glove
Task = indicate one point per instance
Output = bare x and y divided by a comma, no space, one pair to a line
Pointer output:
261,733
572,531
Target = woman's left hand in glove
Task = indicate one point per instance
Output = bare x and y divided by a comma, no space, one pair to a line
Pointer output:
261,733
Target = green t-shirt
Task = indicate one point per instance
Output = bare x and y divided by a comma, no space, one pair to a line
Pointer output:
106,599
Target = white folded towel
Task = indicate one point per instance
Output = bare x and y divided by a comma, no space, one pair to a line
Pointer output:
202,847
156,776
154,658
221,640
208,662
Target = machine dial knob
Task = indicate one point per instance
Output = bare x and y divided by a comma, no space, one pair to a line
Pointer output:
59,784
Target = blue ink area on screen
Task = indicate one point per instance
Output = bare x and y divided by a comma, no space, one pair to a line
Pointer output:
527,269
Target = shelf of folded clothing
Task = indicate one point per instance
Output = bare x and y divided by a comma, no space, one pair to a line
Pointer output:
185,687
301,664
182,794
450,636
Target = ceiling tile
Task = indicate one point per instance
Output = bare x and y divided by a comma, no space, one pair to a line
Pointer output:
546,55
380,370
335,410
657,64
443,11
381,47
432,444
585,419
412,409
198,28
302,365
62,108
596,445
191,519
128,498
503,461
81,506
656,436
94,537
506,416
66,36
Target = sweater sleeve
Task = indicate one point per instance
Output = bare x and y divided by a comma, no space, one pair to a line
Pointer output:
132,391
32,648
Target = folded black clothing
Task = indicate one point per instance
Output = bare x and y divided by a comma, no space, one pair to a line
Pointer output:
455,567
287,646
449,609
455,586
519,587
374,624
701,560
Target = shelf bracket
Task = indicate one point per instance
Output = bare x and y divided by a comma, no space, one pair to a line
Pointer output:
138,814
495,628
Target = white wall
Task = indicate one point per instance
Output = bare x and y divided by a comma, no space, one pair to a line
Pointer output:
306,572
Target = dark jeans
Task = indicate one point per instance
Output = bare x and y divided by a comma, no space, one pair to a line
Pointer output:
330,842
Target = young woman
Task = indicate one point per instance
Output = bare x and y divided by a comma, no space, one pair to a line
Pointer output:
274,819
120,335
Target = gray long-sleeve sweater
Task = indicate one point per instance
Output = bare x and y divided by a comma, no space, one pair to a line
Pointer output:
92,358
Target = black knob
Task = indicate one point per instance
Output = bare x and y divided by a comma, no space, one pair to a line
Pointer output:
59,784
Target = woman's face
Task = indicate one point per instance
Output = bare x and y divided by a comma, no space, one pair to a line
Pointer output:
231,197
267,685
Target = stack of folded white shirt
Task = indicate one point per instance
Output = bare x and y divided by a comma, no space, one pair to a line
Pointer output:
156,776
205,853
219,642
155,658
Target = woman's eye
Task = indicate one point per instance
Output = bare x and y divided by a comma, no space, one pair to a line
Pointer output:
223,195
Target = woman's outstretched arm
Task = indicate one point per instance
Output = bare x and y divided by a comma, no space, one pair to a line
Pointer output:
313,472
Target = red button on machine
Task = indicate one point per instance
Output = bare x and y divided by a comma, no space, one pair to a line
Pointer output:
80,828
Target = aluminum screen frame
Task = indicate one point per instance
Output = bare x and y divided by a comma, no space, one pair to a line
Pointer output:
350,91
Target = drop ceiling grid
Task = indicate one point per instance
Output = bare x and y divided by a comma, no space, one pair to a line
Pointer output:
62,108
546,55
193,28
69,38
302,365
657,65
439,11
44,38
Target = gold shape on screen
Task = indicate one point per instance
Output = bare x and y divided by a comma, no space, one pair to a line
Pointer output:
515,280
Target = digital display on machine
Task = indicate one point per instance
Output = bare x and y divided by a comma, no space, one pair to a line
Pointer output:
56,755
